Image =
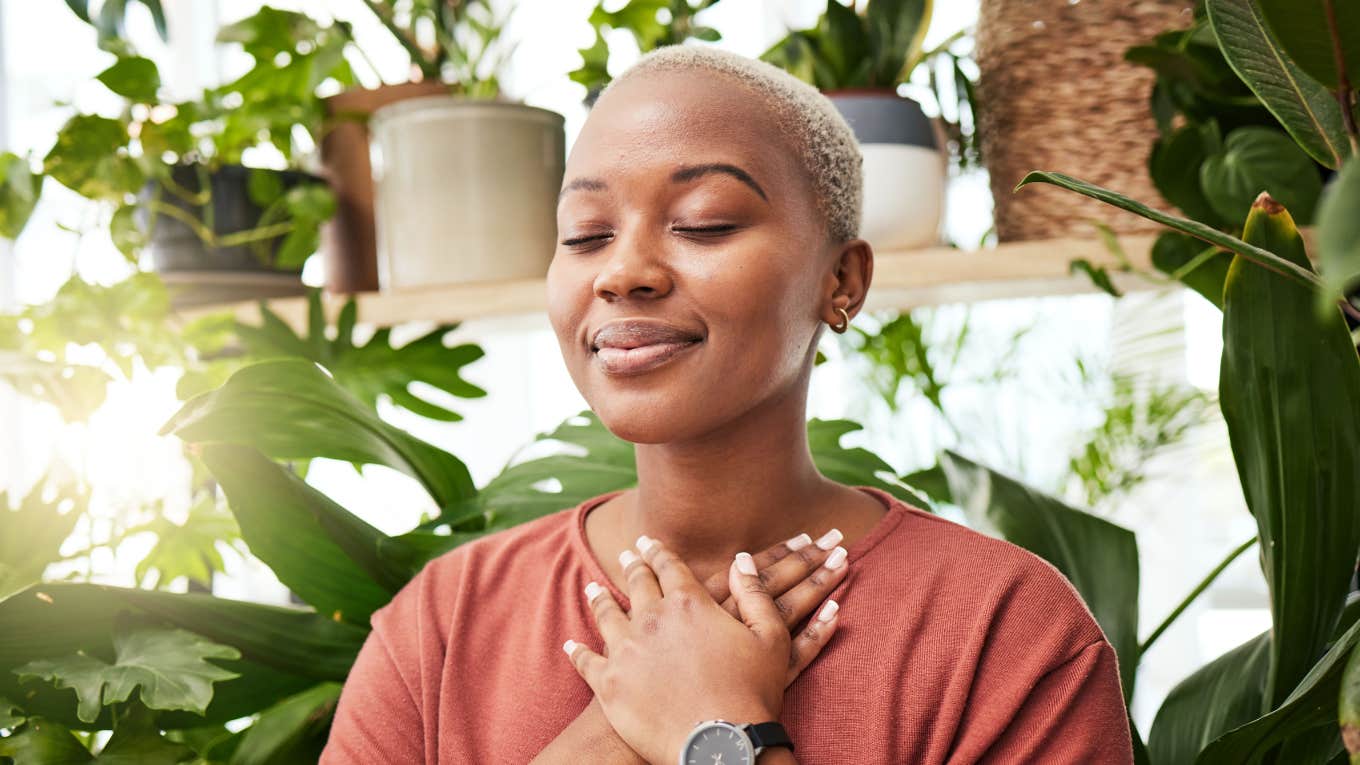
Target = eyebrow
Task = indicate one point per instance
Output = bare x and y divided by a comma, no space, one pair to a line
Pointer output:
682,175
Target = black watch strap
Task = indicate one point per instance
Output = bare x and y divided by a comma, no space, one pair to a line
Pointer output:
768,734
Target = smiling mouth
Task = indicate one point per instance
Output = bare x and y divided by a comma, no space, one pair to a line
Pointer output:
644,358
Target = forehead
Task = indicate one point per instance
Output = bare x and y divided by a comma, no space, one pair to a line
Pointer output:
662,119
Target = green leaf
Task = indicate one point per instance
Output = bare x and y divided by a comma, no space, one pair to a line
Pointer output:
1303,105
1097,274
127,233
19,190
33,533
168,666
188,549
293,410
1257,159
90,158
1174,166
11,714
1219,696
1303,30
1098,557
75,390
134,78
1309,712
1290,394
330,558
854,466
896,29
1202,269
137,740
1338,235
284,650
43,742
1198,230
286,731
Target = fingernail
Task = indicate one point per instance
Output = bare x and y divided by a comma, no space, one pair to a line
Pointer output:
569,646
644,543
626,557
745,564
829,610
830,539
592,590
836,558
799,542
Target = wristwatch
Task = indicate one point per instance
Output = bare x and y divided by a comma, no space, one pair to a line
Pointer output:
720,741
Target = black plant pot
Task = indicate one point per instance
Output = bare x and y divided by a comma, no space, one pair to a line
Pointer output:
200,273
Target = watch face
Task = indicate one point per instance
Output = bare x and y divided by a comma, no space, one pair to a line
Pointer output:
719,743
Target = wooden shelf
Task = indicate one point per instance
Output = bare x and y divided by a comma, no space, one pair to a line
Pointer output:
902,280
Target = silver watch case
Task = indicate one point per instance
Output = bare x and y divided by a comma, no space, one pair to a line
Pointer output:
710,726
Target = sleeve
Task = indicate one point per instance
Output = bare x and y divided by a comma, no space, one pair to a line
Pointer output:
387,711
1075,714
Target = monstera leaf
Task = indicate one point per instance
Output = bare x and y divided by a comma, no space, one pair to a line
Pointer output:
168,667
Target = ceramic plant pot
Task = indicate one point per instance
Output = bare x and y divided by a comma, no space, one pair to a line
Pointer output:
465,190
904,168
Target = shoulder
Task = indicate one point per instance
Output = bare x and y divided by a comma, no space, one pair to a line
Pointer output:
990,584
502,556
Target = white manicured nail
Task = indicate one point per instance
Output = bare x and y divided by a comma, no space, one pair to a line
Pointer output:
836,558
745,564
799,542
830,539
829,610
644,543
592,591
627,557
569,646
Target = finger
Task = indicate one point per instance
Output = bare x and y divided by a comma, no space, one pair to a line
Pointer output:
788,582
589,665
813,589
810,641
609,617
673,574
717,583
641,581
757,608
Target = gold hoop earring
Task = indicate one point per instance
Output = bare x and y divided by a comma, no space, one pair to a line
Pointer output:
844,325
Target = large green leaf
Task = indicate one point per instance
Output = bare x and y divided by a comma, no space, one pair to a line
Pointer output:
1257,159
1186,259
1193,228
330,558
168,667
293,410
19,189
90,158
1098,557
1313,42
1303,106
1290,393
33,533
1219,696
1174,167
1338,234
292,730
284,650
1309,711
854,466
43,742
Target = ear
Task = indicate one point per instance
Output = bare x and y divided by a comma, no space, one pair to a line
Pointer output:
849,274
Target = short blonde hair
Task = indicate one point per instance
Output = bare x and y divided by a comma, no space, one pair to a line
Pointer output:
824,141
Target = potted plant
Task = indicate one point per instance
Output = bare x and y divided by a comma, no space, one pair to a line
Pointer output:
858,60
171,177
652,24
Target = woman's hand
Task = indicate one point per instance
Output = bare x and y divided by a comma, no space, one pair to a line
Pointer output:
679,657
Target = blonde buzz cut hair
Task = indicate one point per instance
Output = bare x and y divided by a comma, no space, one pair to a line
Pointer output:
822,138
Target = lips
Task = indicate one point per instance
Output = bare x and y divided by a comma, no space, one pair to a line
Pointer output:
632,346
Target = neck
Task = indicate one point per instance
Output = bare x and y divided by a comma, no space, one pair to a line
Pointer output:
745,487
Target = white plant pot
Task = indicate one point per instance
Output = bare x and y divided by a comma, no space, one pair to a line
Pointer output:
464,190
904,169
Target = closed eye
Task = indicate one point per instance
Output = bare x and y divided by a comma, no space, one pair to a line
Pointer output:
584,239
726,228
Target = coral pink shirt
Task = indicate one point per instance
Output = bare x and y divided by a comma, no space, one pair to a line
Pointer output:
953,647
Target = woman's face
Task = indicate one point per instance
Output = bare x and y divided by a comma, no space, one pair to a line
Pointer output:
688,233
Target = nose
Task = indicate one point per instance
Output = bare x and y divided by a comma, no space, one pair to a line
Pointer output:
632,270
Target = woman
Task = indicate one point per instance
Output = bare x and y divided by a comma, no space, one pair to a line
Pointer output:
707,229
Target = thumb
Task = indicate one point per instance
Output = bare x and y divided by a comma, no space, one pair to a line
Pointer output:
756,607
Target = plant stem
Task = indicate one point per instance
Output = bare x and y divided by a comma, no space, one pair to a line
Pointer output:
412,48
1195,593
1344,95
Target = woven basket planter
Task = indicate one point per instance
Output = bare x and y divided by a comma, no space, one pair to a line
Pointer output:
1055,93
